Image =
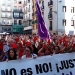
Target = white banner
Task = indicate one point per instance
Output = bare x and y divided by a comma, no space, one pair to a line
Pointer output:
61,64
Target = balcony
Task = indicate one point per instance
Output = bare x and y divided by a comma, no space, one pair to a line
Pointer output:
3,22
3,9
8,23
33,6
50,16
25,12
50,4
42,8
28,10
33,14
20,10
15,10
9,10
25,3
3,16
33,22
9,17
28,1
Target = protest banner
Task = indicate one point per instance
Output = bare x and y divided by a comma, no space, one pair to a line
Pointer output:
61,64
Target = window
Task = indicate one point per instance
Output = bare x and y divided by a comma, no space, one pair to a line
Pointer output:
43,13
39,1
3,22
50,11
3,2
3,8
3,14
20,22
9,9
15,21
8,2
16,14
29,8
9,15
72,22
15,7
8,22
20,8
72,9
64,22
21,14
29,16
15,1
28,1
43,3
64,8
50,28
20,2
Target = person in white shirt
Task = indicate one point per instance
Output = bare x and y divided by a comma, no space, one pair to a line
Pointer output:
28,53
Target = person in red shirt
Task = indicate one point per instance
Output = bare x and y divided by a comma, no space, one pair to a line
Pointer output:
22,51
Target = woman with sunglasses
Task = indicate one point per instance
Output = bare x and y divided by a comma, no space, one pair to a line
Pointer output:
28,53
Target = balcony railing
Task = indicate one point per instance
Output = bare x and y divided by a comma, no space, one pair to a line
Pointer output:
33,6
9,17
25,12
9,10
3,9
42,7
50,16
33,22
33,14
50,3
28,1
3,23
25,3
3,16
17,10
28,10
8,23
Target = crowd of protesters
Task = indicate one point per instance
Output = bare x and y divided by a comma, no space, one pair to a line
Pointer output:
13,47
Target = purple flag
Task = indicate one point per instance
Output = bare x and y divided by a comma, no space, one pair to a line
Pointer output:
42,30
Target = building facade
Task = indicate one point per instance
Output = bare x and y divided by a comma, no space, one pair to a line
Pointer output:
18,10
27,16
6,15
11,14
34,17
59,15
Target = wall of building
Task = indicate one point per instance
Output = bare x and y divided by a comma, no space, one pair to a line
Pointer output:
6,15
28,16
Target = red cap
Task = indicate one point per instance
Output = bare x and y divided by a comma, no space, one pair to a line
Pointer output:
28,44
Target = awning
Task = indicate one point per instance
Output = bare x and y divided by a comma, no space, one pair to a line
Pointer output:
28,28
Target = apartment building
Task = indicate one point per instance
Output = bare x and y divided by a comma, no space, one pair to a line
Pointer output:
27,17
18,10
34,16
11,16
6,15
59,15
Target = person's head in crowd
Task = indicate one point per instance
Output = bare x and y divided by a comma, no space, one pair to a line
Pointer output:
47,51
52,46
56,49
28,52
12,54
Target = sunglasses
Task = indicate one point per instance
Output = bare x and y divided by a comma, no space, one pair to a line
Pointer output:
27,50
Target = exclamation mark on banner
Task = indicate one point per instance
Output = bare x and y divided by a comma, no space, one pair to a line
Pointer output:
50,66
